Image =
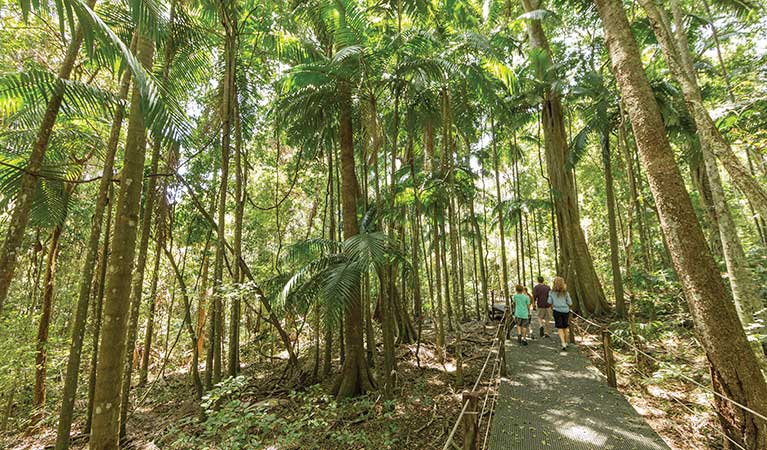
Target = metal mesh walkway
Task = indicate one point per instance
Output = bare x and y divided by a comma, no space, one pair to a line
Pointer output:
557,400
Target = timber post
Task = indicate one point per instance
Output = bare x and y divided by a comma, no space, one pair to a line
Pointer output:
502,352
609,361
471,420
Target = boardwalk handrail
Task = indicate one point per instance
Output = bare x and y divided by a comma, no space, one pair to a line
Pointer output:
499,334
681,375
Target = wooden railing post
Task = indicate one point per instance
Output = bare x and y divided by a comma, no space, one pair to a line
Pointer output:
502,354
609,361
471,421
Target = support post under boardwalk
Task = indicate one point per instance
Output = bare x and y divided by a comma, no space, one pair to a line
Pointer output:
609,361
471,421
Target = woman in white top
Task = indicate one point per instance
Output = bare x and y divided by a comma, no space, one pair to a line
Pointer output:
561,301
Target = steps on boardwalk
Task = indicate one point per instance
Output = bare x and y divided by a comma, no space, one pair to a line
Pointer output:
557,400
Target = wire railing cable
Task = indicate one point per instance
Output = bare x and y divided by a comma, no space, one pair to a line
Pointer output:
500,334
681,375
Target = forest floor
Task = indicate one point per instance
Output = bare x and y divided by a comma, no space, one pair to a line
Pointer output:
259,409
678,410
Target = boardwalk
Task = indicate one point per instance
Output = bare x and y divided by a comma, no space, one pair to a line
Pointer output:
554,401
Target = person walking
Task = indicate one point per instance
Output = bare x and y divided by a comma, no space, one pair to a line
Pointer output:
560,300
521,313
541,296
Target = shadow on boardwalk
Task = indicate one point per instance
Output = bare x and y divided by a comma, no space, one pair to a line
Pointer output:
558,400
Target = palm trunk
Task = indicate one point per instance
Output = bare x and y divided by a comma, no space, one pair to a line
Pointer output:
355,376
69,391
41,350
327,363
109,375
734,369
620,302
144,368
194,365
234,323
98,300
501,224
415,235
481,253
436,239
216,316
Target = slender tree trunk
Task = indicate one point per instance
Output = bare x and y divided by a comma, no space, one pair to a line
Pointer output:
69,392
23,205
482,269
195,364
109,375
415,234
432,166
355,375
41,349
327,365
98,300
734,369
701,183
620,302
216,316
235,313
144,368
501,223
137,286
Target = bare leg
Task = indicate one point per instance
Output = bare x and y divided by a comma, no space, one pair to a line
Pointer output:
562,336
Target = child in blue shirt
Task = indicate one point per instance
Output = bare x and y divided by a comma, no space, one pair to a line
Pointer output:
521,313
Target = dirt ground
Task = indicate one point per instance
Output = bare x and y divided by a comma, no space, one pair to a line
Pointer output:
272,413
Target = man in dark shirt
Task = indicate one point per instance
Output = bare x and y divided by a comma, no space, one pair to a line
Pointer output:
541,296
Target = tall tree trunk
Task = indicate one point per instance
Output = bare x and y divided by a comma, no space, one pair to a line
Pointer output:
482,269
620,302
109,375
575,252
234,323
194,365
637,205
734,369
144,368
501,223
327,363
137,287
41,349
23,205
98,308
436,239
216,316
701,183
69,392
415,232
235,313
355,376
